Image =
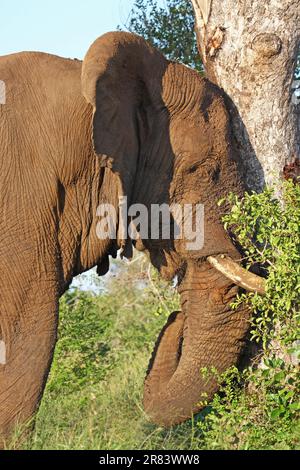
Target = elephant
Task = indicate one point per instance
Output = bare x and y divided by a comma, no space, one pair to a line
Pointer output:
124,122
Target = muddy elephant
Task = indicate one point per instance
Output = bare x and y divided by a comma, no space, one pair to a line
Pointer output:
74,135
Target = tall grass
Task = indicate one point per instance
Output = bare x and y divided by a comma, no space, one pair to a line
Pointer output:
93,399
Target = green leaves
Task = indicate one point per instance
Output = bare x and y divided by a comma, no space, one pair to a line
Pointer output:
269,232
259,407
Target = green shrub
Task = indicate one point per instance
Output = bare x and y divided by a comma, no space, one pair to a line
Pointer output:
259,407
268,229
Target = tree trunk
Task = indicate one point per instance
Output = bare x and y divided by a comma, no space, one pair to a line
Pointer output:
249,48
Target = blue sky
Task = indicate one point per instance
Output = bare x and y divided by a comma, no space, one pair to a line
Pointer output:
62,27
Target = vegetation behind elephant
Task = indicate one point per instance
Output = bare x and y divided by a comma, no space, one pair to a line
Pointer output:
73,135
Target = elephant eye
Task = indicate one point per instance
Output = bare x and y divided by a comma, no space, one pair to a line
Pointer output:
188,163
193,168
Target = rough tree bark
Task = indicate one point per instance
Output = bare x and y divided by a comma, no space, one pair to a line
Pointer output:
249,49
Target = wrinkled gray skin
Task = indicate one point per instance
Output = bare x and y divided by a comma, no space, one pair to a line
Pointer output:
74,135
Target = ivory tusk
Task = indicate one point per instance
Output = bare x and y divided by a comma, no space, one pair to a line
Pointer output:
237,274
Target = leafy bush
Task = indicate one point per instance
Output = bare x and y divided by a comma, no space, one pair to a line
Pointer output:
255,409
268,230
82,353
259,407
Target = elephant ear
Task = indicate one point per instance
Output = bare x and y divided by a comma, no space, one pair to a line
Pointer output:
121,79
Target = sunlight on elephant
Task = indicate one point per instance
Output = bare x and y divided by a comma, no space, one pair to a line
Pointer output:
124,122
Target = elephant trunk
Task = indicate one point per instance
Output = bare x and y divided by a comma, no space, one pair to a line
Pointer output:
207,333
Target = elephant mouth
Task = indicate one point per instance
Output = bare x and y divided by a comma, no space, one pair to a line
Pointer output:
205,334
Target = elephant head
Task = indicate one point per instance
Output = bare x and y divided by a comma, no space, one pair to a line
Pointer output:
164,130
